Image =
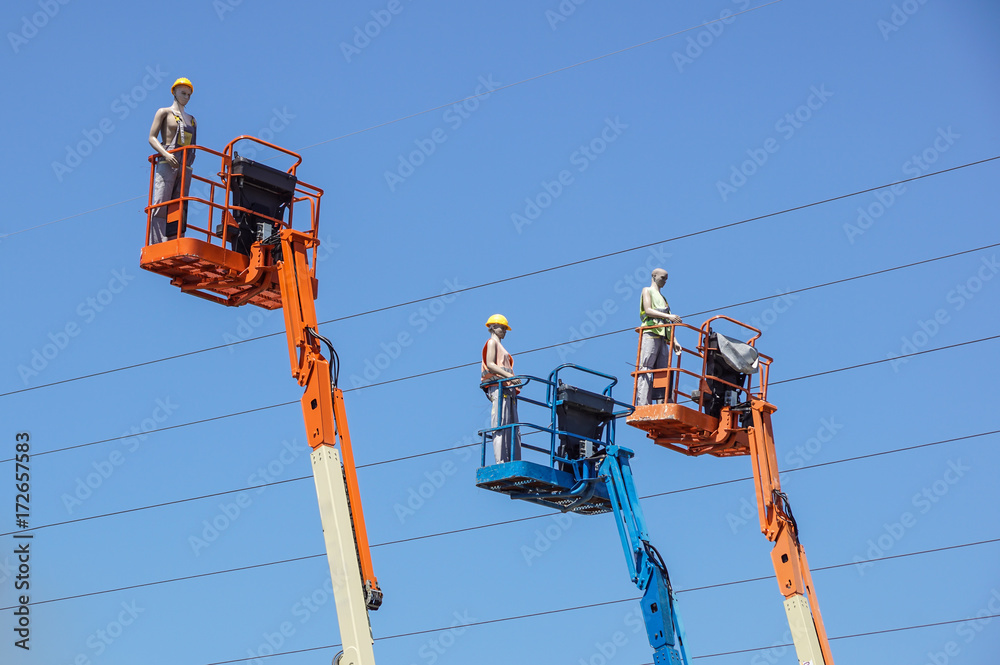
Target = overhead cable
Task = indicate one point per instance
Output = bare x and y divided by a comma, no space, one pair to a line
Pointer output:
414,376
727,18
614,602
613,332
323,554
433,452
853,636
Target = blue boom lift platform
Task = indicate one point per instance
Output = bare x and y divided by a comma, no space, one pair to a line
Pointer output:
583,471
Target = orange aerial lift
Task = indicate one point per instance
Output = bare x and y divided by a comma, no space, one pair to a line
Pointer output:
267,263
728,414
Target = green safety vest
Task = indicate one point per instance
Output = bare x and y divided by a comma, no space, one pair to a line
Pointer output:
660,303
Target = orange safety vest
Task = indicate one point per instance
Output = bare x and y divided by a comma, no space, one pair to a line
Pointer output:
504,359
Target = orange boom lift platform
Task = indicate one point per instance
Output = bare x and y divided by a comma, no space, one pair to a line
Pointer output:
728,415
230,240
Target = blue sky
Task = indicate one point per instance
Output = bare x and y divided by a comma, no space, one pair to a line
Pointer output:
681,128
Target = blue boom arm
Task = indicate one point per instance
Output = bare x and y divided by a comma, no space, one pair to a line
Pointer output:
645,564
577,460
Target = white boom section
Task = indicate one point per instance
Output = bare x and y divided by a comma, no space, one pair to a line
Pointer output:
800,620
342,555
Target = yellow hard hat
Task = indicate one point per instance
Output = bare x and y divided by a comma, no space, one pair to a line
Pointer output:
182,81
498,318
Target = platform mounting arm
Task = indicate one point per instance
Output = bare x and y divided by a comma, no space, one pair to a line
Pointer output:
646,567
789,557
355,587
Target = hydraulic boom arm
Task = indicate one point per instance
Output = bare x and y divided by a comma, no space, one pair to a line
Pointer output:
729,416
788,555
355,588
266,265
646,567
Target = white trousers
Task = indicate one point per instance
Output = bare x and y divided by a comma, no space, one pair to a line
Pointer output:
508,414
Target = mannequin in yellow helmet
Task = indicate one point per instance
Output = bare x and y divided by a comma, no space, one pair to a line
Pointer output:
654,352
497,364
173,127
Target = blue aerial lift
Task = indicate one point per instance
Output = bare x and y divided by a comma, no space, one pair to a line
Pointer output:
586,472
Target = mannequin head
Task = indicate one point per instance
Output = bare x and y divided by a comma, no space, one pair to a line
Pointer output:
182,89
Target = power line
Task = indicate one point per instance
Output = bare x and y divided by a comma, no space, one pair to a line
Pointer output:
474,528
422,374
728,17
772,383
614,332
683,236
63,219
436,630
580,607
160,429
142,364
845,565
885,360
169,581
442,450
848,279
315,556
848,637
605,603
